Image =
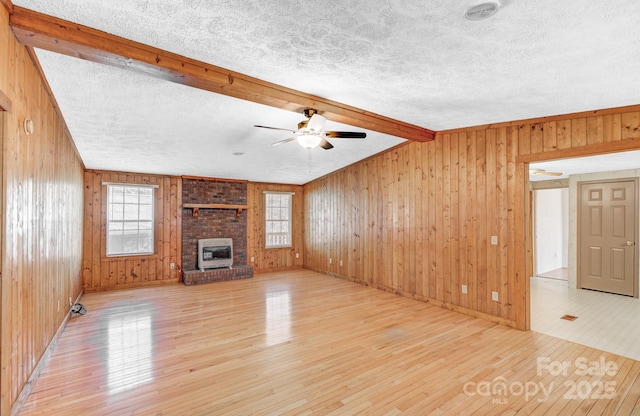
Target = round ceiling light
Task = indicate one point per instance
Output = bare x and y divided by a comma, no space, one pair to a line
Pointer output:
482,11
309,141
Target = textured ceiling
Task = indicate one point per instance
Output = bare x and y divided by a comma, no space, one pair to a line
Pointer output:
591,164
416,61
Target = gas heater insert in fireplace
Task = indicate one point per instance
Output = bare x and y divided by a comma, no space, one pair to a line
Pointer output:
215,253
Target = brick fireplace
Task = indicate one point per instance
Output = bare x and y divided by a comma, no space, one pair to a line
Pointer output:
214,223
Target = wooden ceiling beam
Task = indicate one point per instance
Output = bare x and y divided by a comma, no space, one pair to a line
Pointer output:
47,32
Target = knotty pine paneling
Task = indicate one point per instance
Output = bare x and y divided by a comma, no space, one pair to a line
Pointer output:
273,259
41,241
100,272
417,220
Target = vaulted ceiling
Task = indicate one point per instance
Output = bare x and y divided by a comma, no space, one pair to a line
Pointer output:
394,69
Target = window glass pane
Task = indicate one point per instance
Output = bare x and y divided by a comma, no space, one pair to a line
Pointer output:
146,212
117,212
148,225
129,220
131,195
145,191
146,242
116,194
115,226
114,242
130,212
278,220
130,243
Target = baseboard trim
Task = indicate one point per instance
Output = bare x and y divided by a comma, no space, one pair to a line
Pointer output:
149,283
435,302
44,360
277,269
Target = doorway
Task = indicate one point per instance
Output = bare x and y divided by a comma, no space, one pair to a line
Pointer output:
604,320
551,232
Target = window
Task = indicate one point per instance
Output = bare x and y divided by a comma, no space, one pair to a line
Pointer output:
278,219
129,219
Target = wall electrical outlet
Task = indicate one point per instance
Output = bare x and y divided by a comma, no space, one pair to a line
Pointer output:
173,266
330,260
70,302
464,289
340,263
253,259
297,255
494,240
494,296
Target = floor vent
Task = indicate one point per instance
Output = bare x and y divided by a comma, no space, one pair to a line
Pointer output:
569,317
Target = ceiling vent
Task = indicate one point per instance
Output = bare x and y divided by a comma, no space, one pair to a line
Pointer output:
482,11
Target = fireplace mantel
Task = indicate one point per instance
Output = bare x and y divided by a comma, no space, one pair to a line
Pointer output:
196,207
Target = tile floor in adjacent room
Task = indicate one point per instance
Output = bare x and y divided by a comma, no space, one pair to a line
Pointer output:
605,321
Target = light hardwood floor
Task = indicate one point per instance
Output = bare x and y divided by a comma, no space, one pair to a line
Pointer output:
302,343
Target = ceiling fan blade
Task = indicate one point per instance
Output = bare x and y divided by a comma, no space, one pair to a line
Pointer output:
273,128
316,122
325,145
290,139
542,172
345,134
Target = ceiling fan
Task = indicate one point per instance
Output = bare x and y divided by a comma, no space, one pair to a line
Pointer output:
310,134
542,172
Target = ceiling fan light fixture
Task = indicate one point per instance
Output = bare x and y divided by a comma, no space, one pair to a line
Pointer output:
310,133
309,141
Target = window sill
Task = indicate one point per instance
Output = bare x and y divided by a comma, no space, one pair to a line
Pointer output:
126,256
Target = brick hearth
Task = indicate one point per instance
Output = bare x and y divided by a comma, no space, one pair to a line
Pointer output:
195,277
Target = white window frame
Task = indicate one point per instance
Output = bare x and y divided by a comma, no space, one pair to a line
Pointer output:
150,224
268,219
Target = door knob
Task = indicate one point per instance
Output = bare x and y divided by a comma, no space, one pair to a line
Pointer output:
630,243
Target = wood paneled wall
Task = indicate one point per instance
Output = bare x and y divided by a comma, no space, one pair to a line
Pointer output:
41,217
273,258
101,272
418,219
